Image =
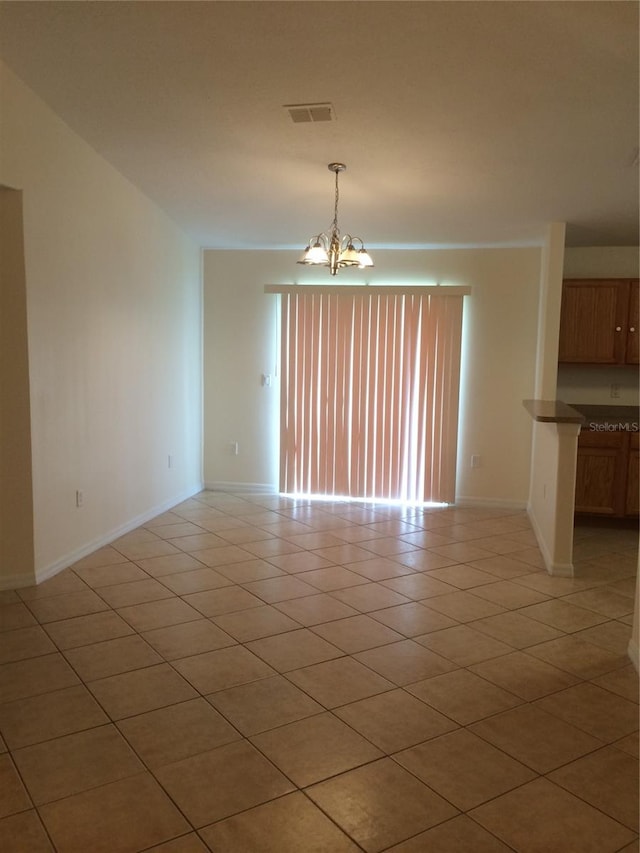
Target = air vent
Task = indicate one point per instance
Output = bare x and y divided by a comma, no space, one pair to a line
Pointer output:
300,113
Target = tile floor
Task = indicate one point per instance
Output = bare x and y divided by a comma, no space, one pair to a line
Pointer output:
249,674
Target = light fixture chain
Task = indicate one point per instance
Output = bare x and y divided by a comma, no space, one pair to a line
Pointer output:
335,209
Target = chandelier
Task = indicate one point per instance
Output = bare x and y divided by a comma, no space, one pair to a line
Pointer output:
331,249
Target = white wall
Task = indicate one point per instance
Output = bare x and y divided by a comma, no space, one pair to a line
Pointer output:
498,364
114,335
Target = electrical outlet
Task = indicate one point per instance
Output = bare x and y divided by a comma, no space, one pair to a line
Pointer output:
475,461
234,448
79,497
169,461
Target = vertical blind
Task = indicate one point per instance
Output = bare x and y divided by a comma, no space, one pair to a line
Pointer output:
369,393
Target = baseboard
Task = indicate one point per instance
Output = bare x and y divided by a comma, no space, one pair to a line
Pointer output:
242,488
560,570
634,652
490,503
69,559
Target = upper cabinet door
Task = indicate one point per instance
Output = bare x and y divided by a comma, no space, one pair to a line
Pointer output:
632,324
594,321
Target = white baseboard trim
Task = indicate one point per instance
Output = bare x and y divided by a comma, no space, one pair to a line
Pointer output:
490,503
242,488
634,654
560,570
46,572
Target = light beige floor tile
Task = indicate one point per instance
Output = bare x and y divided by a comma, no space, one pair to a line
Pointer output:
385,546
629,744
394,720
272,590
301,561
83,630
463,696
530,556
537,739
405,662
67,765
337,682
393,527
21,643
111,657
454,836
343,554
13,794
197,542
267,548
214,602
224,555
222,668
315,609
426,539
594,710
463,768
9,596
412,619
187,638
623,681
608,780
566,617
107,556
56,607
463,606
179,528
255,623
24,833
463,645
176,732
555,586
315,539
315,748
222,782
15,615
248,571
379,568
265,704
244,534
333,577
293,650
195,581
516,630
462,576
185,844
35,675
613,636
569,824
371,596
121,572
171,564
461,552
424,561
356,633
602,600
159,614
524,675
145,550
503,565
49,715
578,657
509,595
142,690
380,804
419,585
137,806
64,583
279,827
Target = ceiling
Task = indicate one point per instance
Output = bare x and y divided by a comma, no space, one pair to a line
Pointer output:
461,123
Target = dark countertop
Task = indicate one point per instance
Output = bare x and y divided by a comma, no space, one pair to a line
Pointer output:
553,412
608,413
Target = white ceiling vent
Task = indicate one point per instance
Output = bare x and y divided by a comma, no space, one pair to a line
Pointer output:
310,112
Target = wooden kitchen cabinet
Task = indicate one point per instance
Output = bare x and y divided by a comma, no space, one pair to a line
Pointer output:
599,321
607,473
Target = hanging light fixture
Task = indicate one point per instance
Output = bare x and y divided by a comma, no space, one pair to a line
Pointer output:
330,248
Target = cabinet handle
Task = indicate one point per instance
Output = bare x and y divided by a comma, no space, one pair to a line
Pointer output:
618,328
632,329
